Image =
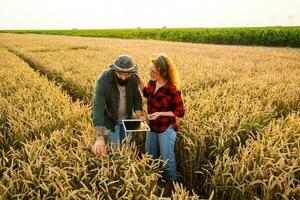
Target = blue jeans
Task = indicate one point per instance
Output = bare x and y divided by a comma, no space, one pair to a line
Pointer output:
162,144
118,135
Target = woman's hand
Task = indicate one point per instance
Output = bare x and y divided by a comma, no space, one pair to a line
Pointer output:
154,116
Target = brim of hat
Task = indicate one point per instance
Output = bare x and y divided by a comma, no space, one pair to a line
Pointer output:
118,69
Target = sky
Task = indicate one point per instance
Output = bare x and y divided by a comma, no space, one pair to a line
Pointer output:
99,14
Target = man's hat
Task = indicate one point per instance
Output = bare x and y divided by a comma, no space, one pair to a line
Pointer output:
124,64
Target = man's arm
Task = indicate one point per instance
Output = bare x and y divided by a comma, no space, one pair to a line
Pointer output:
98,117
99,103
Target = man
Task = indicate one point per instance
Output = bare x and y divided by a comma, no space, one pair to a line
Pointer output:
116,97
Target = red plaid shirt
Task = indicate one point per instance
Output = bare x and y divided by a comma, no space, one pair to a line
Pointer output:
167,98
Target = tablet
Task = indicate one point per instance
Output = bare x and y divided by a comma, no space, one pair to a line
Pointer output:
135,125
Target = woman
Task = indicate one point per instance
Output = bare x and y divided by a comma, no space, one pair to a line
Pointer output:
164,104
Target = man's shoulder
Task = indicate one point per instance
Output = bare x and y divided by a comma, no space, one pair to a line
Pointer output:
104,75
134,78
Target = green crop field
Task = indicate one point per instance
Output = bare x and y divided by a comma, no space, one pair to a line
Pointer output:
262,36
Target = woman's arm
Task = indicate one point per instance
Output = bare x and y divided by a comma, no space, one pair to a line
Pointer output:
140,82
156,115
142,86
177,103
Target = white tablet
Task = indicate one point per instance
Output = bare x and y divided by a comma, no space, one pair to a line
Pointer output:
135,125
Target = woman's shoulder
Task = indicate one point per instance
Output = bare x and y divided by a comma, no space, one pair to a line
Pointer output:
173,90
172,87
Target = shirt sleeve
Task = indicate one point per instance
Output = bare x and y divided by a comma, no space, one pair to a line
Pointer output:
146,90
99,103
177,103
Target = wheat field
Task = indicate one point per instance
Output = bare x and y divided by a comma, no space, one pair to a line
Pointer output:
240,138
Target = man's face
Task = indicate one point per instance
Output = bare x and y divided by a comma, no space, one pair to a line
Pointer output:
122,77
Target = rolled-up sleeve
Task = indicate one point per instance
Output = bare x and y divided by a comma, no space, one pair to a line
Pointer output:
177,104
146,90
99,103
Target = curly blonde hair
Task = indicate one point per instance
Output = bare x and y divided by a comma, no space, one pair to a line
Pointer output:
167,69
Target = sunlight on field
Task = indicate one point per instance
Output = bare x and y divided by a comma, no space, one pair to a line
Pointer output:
240,138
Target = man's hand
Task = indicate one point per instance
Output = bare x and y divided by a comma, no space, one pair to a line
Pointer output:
139,115
99,146
142,117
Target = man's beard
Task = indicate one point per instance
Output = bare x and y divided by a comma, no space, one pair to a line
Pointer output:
121,81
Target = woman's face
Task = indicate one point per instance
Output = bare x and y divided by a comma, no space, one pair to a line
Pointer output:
154,73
